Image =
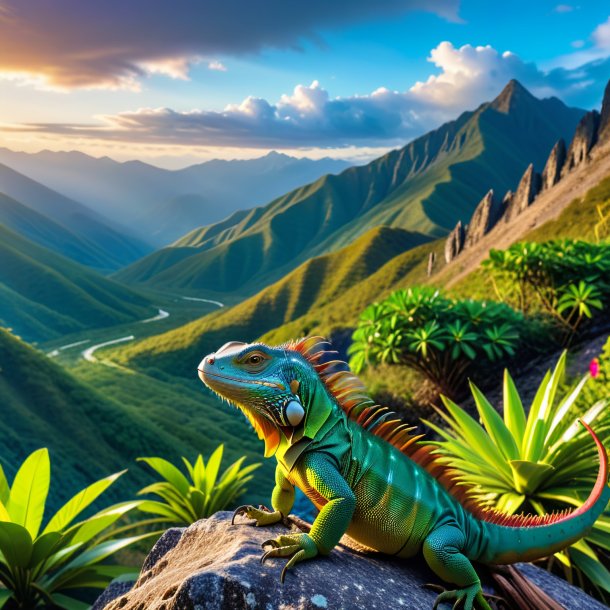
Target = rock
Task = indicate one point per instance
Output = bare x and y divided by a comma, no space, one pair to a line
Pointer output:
552,170
604,119
526,192
212,565
584,139
431,261
455,242
484,217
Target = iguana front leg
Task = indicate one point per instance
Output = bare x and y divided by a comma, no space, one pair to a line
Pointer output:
282,499
323,476
443,553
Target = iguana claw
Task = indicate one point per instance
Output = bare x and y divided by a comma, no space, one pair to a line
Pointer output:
261,515
466,597
295,546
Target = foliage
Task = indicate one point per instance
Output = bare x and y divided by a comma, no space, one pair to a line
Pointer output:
540,462
443,338
568,279
184,500
39,566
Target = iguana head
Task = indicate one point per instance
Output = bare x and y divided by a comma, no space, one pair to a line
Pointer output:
275,387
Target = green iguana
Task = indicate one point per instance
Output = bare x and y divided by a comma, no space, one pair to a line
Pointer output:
369,475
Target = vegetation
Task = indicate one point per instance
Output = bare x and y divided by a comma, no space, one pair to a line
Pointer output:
446,340
44,295
536,462
567,279
184,500
40,567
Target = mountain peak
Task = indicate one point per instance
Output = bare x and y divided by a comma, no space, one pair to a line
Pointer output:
513,94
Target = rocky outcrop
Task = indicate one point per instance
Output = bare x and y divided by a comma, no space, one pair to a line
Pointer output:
212,565
484,218
604,119
526,192
584,139
431,261
552,170
455,242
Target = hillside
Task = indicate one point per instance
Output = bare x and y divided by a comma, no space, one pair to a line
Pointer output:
114,245
44,295
91,434
330,282
158,204
46,232
425,187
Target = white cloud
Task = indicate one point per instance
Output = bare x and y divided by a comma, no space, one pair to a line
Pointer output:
310,117
217,66
601,35
563,8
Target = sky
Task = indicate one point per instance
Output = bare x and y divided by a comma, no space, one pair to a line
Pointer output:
173,83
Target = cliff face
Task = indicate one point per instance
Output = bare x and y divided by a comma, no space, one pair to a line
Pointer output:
585,138
485,216
552,170
524,195
604,119
455,242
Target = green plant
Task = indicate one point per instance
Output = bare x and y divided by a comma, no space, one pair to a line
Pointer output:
567,279
540,462
39,566
445,339
184,500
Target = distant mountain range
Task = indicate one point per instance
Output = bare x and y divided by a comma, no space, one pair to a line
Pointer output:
111,245
161,205
425,187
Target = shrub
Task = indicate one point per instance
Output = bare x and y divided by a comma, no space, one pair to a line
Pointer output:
39,566
442,338
567,279
538,463
184,500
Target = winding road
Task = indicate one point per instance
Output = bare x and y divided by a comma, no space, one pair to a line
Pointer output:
88,354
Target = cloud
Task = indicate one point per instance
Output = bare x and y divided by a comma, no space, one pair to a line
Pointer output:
563,8
217,66
601,35
310,117
114,43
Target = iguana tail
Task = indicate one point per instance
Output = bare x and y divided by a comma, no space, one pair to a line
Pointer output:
519,538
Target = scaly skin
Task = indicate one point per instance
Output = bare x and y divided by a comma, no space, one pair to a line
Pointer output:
363,485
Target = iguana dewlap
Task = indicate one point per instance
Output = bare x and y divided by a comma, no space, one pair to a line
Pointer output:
369,476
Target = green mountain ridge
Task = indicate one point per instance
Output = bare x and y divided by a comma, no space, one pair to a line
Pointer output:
426,187
116,247
45,295
314,286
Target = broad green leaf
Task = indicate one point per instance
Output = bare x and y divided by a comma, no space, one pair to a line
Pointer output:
4,516
169,472
44,546
68,603
5,595
510,502
564,407
594,570
514,414
494,425
77,504
5,489
212,468
87,530
29,491
528,476
15,544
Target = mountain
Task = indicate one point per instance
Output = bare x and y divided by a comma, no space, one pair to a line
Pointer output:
44,295
321,283
427,186
46,232
159,204
117,248
91,434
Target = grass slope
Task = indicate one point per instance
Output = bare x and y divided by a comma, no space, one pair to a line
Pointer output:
44,295
426,187
338,282
92,432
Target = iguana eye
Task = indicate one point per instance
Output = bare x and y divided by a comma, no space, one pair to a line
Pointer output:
255,359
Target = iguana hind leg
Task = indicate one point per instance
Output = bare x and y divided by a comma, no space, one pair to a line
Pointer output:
443,553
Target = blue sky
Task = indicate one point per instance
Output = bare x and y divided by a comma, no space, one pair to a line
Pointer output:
177,82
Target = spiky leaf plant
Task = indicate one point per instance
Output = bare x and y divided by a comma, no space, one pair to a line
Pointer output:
41,566
186,499
537,462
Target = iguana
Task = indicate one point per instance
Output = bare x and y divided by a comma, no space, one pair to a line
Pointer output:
369,475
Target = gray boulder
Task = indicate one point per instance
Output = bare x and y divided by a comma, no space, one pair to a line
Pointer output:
212,565
483,219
